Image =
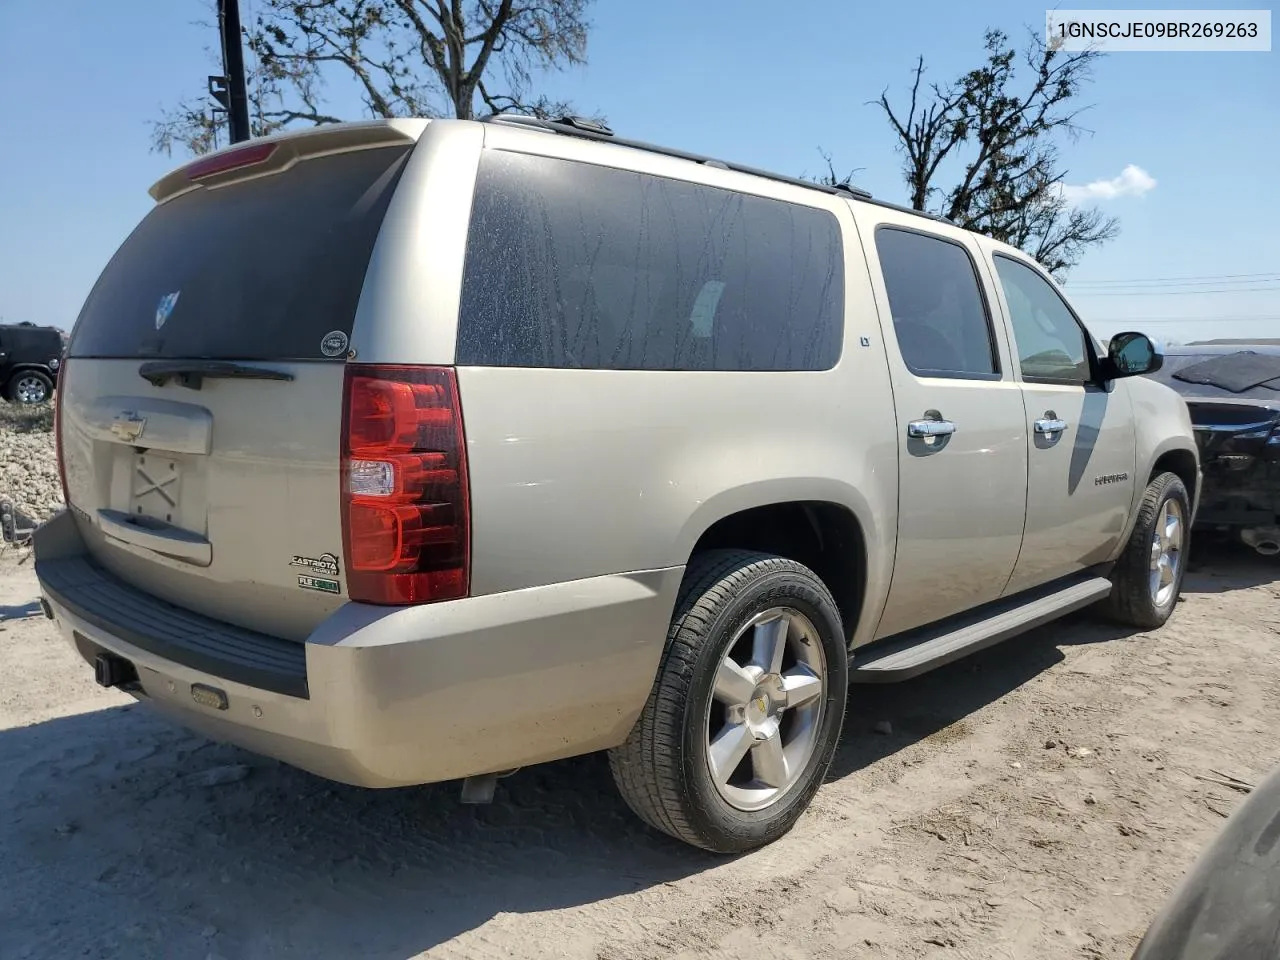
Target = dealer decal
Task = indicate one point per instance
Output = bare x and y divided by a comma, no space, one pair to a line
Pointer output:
326,564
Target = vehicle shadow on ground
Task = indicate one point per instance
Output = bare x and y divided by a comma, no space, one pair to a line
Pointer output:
122,808
199,849
1219,565
935,703
19,611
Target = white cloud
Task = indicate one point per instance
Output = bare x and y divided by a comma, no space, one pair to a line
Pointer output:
1132,182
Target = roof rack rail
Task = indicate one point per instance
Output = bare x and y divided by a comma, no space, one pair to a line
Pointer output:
590,130
585,123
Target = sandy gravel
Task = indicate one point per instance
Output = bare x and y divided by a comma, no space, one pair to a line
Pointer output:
1036,802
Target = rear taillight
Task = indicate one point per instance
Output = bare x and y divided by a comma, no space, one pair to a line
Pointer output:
57,430
406,529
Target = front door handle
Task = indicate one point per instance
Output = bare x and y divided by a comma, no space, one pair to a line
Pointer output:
927,429
1050,426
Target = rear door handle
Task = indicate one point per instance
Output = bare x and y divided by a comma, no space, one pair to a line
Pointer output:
924,429
1050,426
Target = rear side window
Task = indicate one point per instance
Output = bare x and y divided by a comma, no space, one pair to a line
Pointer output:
262,269
939,314
579,266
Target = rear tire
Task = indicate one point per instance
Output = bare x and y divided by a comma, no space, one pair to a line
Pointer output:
29,388
745,714
1147,579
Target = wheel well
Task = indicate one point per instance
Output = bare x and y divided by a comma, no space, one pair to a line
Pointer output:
1183,464
20,368
825,537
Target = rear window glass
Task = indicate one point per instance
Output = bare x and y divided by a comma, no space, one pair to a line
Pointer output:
579,266
261,269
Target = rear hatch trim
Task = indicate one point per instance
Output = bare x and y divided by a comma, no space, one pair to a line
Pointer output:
186,638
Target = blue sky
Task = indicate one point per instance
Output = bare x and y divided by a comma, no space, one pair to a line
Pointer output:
1182,151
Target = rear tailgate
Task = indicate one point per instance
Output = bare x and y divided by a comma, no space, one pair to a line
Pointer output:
201,404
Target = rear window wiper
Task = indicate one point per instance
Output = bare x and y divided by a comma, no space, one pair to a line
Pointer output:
191,373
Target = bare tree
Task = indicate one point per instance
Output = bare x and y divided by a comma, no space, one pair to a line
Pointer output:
277,98
830,178
1050,228
994,140
426,58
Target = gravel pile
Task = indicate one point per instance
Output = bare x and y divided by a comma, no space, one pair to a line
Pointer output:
28,464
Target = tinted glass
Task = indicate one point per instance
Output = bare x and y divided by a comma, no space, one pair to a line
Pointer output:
256,270
30,343
1050,343
575,265
939,315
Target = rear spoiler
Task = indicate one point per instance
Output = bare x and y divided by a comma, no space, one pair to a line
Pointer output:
266,155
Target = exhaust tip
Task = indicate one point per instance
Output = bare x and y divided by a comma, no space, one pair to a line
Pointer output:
1264,540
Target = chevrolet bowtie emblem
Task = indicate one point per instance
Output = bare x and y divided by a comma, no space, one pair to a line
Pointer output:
128,427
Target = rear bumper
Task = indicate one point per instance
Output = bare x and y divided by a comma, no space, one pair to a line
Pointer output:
387,696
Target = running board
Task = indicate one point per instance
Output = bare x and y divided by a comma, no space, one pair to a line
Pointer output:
917,651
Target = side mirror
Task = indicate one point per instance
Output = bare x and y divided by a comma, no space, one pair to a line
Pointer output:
1131,355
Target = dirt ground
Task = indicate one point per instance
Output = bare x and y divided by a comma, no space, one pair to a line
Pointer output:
1038,801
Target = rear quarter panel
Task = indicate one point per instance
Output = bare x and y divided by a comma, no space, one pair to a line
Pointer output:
579,473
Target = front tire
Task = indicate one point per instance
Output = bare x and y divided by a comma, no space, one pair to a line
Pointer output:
745,714
1147,579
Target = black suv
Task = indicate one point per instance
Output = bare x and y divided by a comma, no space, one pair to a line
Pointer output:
29,359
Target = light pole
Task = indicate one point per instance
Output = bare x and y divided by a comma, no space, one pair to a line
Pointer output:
237,97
